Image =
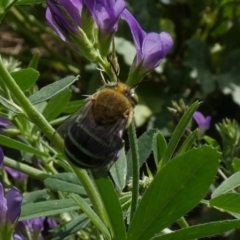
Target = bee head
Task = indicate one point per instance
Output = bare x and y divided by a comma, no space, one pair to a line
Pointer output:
124,90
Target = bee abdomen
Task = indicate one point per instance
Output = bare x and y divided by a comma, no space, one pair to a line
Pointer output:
87,150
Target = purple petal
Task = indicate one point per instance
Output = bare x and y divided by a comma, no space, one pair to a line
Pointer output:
73,8
151,48
137,32
167,42
51,21
151,51
21,227
3,206
4,122
38,223
51,222
155,47
106,14
203,123
16,174
64,16
90,5
14,201
1,157
199,118
17,237
207,122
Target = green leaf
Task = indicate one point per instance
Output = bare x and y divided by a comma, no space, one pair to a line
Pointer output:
228,202
201,231
188,142
10,105
34,61
228,185
35,196
211,141
72,227
4,3
177,188
52,89
119,171
65,182
112,207
57,104
25,78
236,164
145,148
159,146
8,142
21,2
47,208
91,215
178,132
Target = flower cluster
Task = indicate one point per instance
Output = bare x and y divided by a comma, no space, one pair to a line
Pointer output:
90,25
33,228
10,210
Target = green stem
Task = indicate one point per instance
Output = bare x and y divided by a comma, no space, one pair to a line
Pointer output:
9,6
47,129
222,174
135,163
107,68
90,189
183,223
30,171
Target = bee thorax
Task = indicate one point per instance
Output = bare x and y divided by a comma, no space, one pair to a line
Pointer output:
109,106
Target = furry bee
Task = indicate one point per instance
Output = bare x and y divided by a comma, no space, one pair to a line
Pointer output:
93,135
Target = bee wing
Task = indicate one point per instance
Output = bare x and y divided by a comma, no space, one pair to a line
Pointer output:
81,113
89,144
113,143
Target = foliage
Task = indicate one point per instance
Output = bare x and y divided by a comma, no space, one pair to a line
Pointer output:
173,179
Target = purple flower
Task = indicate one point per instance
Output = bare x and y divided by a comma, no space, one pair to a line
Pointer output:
16,174
4,122
203,123
64,16
33,227
74,25
106,14
151,47
10,209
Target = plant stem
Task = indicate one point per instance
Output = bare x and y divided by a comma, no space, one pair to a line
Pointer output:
90,189
183,223
135,163
30,171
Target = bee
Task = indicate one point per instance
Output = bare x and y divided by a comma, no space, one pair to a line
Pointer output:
93,135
